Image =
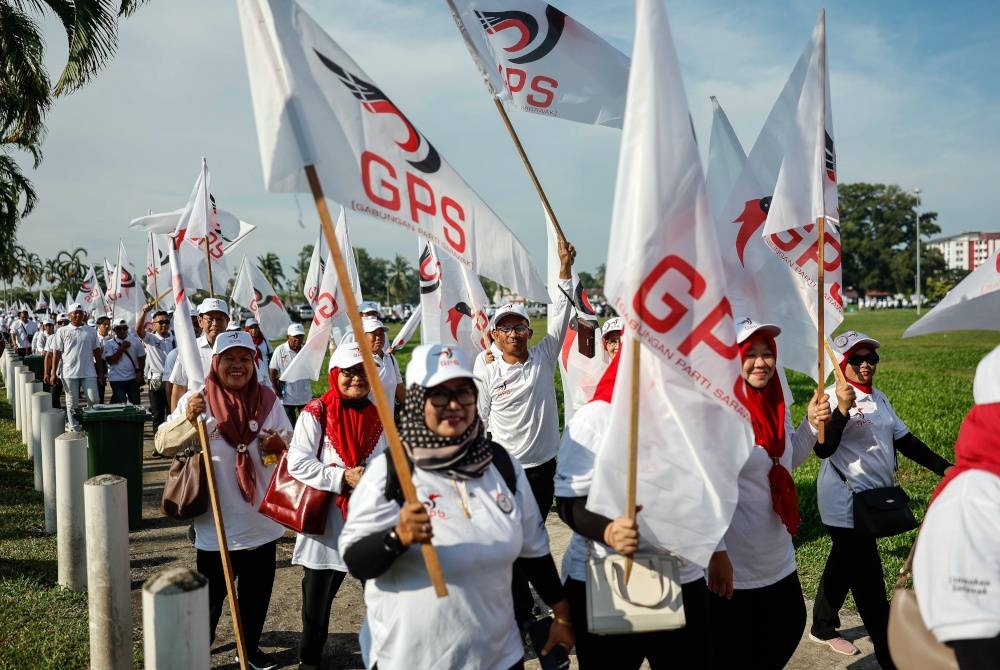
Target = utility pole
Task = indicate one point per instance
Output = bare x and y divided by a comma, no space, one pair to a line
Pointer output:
917,192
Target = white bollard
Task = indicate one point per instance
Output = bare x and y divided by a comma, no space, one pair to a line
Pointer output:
71,533
18,397
4,357
53,423
40,402
105,499
175,621
8,379
27,388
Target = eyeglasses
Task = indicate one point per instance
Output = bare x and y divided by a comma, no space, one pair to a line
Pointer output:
162,323
464,396
356,373
519,329
215,319
858,359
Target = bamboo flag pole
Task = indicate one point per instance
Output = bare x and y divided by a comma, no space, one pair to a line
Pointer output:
821,219
155,254
633,444
118,281
399,459
220,534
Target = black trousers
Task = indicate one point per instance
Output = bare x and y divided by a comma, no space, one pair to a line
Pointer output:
318,589
292,412
759,628
253,571
57,389
542,480
853,565
158,405
126,390
684,648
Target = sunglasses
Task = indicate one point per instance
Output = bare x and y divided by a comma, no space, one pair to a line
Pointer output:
162,323
441,398
357,373
858,359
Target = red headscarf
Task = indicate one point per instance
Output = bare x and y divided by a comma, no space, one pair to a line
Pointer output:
258,339
767,415
352,426
978,445
864,388
606,385
239,416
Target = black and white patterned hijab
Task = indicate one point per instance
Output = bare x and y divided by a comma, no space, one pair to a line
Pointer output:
463,457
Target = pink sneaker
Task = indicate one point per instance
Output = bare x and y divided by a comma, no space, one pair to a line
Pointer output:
838,644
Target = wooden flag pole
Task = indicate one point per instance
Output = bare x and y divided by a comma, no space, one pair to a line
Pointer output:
156,270
821,220
633,445
220,534
118,281
820,314
837,372
208,261
531,171
399,459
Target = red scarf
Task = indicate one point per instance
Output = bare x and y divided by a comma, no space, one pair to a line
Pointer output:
978,445
767,416
239,416
864,388
352,427
606,385
257,340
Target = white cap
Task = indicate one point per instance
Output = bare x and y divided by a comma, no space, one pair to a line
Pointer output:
433,364
91,321
48,322
213,305
849,340
508,309
986,384
232,338
75,307
119,323
233,325
251,322
370,324
62,317
368,306
296,329
346,356
615,324
747,327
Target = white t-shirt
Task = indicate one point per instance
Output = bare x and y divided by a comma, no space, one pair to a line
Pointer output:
757,542
319,552
38,341
389,375
865,456
23,331
130,362
474,626
157,349
574,474
956,566
245,527
169,362
296,393
179,376
518,401
77,344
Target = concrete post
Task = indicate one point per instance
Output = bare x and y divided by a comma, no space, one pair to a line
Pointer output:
3,363
18,398
8,378
71,534
27,388
175,621
40,402
53,422
105,500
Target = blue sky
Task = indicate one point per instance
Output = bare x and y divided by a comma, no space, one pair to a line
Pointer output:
914,84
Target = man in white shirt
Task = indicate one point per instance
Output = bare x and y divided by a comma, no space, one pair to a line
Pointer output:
126,364
50,369
102,325
294,395
76,346
21,331
517,399
43,334
388,371
158,344
213,318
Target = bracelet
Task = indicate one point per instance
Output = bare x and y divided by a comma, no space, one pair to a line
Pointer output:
562,621
392,543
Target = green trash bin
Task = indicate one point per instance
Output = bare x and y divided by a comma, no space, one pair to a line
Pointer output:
36,364
114,447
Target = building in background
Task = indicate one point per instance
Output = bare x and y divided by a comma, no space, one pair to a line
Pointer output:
966,251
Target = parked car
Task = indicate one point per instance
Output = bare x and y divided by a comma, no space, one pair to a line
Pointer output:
304,312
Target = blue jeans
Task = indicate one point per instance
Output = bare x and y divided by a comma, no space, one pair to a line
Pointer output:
127,390
73,387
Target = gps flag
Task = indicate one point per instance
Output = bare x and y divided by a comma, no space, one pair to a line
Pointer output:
253,291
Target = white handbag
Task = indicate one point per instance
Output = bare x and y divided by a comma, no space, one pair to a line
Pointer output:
650,601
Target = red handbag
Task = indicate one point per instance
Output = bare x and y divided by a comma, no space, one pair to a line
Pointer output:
293,504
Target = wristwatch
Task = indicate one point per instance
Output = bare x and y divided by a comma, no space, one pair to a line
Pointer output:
392,543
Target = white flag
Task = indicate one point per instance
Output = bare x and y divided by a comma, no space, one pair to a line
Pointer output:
90,295
726,158
53,307
253,291
406,332
543,60
190,359
197,227
158,268
773,280
664,277
314,275
452,301
315,106
974,304
579,373
128,297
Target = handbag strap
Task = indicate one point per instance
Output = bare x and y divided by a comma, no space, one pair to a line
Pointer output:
906,571
895,472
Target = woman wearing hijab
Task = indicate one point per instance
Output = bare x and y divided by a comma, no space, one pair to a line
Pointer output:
956,565
753,569
862,435
480,524
244,420
335,438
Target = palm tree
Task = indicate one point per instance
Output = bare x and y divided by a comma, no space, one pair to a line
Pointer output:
399,279
302,266
32,271
270,265
72,267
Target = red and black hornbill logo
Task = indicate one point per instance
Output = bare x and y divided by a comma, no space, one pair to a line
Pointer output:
262,300
430,271
527,25
375,101
751,220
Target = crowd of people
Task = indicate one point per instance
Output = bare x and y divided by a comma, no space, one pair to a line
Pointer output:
488,463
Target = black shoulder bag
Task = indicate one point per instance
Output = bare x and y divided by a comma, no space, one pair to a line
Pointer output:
881,512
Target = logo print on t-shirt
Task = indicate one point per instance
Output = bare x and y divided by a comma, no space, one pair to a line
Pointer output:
504,502
431,505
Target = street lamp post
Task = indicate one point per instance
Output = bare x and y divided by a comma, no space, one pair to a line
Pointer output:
917,192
